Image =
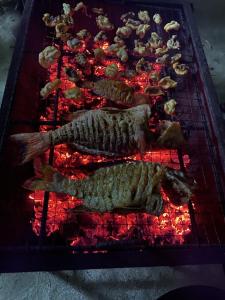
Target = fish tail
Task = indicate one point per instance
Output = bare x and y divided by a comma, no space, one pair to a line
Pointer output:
140,98
50,180
30,145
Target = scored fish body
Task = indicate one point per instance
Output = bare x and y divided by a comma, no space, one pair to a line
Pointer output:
108,131
131,185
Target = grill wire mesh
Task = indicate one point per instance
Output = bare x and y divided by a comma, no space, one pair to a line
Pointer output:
199,222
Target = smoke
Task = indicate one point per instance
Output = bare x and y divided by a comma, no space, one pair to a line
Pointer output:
9,23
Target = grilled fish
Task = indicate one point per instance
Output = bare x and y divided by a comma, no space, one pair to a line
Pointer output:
128,185
106,131
119,92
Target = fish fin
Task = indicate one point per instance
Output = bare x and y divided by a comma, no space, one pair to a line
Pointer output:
68,117
171,135
87,150
112,110
141,98
30,145
49,181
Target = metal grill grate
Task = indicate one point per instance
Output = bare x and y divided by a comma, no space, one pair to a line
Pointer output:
200,223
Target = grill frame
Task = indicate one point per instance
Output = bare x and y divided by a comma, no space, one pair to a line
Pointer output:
41,257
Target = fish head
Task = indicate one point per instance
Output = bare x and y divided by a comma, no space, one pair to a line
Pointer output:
178,186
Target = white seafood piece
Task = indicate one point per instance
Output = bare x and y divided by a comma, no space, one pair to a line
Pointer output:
144,16
173,43
163,59
155,41
133,24
173,25
81,6
99,54
142,29
122,54
126,16
100,37
48,56
73,93
167,83
140,48
98,11
124,32
66,9
180,69
119,41
50,87
176,58
111,71
161,51
104,24
143,66
73,43
84,34
157,19
170,107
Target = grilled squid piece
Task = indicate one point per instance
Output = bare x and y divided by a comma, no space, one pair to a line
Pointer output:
126,16
144,16
173,43
175,58
142,29
170,107
73,93
124,32
154,91
74,44
81,59
98,11
155,41
163,59
133,24
72,74
167,83
48,56
120,42
143,66
100,37
84,34
122,54
111,71
104,24
180,69
99,54
157,19
50,87
173,25
161,51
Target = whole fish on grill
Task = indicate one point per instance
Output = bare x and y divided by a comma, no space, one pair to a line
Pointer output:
128,185
106,131
119,92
